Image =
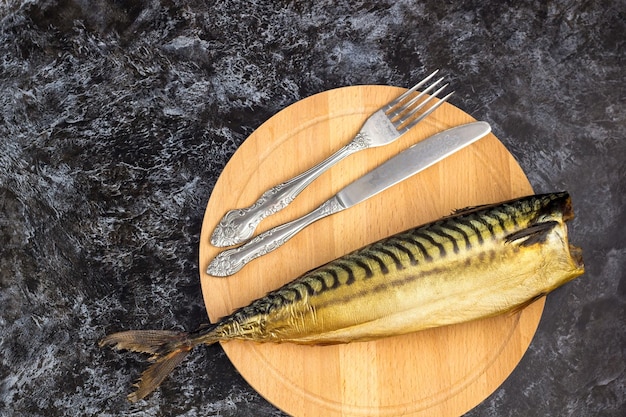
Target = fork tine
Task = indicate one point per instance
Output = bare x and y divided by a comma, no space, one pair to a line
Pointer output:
410,109
405,107
426,113
407,93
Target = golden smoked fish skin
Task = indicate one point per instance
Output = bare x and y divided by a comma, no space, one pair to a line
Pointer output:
477,263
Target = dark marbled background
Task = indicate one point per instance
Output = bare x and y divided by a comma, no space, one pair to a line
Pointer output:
117,117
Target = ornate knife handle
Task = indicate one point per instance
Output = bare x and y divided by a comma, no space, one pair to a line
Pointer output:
239,225
232,260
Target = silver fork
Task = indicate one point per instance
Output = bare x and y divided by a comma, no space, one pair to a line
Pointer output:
381,128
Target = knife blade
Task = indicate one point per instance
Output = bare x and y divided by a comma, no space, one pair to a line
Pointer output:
400,167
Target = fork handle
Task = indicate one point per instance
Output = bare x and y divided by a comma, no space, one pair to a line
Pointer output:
232,260
238,225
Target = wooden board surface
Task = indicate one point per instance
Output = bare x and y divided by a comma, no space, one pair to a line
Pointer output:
439,372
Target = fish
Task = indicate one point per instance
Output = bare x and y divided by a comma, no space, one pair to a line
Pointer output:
477,262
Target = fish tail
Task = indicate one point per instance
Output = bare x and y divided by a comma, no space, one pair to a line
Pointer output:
168,350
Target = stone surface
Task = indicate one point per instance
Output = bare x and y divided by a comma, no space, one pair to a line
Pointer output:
116,119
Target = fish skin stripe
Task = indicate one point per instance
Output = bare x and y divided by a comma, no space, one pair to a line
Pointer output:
316,283
397,262
322,283
474,239
468,223
405,250
497,224
455,228
287,294
280,300
334,277
347,268
360,261
501,220
409,238
309,288
332,273
368,271
512,213
452,239
514,220
487,226
297,295
381,262
422,234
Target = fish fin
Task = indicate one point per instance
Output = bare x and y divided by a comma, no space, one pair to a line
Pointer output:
152,377
526,303
168,349
470,209
535,233
144,341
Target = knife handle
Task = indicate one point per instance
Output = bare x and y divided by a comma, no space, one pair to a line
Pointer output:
238,225
232,260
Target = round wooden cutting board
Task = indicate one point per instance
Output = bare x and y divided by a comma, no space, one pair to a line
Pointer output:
439,372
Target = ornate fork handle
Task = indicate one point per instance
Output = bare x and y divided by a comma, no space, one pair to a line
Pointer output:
238,225
384,126
232,260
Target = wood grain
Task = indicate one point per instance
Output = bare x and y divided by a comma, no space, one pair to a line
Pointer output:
443,372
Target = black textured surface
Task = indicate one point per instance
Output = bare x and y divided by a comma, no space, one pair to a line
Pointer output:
116,119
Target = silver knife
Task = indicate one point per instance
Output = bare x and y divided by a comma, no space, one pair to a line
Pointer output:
402,166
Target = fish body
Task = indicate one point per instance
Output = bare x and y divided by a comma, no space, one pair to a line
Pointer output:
477,263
